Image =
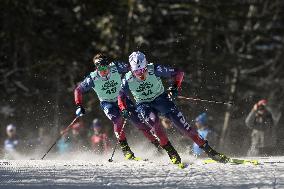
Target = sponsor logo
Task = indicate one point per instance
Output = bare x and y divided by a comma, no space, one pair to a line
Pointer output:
182,120
109,87
145,88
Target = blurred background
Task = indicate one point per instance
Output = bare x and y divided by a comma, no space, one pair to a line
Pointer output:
229,50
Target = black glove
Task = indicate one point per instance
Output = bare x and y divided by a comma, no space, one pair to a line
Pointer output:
125,114
173,91
80,111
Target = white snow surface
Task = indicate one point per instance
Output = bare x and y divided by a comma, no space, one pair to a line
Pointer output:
96,172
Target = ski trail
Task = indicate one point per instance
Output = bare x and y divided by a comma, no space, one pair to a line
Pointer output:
141,174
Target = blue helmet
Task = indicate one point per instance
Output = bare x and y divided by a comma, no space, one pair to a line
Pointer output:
201,119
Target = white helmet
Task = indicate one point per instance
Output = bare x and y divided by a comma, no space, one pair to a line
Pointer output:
137,61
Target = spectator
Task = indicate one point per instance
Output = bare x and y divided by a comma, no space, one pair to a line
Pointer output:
11,144
63,145
78,138
201,123
99,141
259,120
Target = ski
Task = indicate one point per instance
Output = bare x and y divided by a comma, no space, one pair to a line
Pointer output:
233,161
137,159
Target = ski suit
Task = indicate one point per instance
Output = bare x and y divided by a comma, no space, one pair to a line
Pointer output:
151,99
107,91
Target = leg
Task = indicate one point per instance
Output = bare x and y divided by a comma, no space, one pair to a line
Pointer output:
151,118
164,105
181,124
112,112
261,138
168,108
137,120
254,141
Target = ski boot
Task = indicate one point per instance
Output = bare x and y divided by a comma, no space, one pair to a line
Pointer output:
159,149
174,156
214,155
128,154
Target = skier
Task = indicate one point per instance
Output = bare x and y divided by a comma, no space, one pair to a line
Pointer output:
106,82
259,120
144,82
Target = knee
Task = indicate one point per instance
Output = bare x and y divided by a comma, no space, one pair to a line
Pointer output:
151,118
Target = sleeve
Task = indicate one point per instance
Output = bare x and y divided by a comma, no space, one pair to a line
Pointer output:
174,74
122,67
82,88
123,95
250,119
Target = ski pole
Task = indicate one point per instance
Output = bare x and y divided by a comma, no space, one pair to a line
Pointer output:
124,123
63,132
203,100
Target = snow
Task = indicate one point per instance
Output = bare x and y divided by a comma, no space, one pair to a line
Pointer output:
97,172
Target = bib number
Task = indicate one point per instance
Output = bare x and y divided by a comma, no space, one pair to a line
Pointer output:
110,91
149,92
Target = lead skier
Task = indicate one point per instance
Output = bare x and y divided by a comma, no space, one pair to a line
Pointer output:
106,82
144,82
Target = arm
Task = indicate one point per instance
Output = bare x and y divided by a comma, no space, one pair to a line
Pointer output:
123,95
82,88
175,74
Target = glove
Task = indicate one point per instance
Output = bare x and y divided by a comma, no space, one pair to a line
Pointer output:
80,111
125,114
173,92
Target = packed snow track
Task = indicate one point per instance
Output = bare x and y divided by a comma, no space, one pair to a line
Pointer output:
142,174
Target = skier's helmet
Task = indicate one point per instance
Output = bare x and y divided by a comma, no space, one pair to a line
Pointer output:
102,64
138,64
201,119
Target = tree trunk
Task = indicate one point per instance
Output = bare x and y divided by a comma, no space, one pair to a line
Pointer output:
228,111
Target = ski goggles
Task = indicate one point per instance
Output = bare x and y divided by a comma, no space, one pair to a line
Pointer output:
139,72
102,68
